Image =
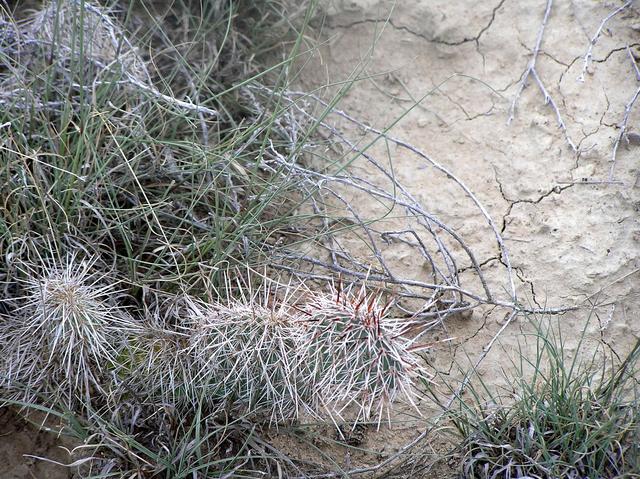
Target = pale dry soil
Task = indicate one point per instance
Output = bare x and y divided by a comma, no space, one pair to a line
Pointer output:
572,234
570,220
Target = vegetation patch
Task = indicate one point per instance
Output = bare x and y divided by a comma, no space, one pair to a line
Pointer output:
573,416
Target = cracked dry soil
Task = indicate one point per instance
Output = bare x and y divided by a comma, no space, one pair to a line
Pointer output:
572,231
570,217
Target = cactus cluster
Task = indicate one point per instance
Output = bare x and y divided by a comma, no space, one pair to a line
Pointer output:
339,355
274,360
362,360
254,357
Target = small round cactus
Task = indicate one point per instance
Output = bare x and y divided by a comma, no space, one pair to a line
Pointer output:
155,367
360,359
64,338
252,356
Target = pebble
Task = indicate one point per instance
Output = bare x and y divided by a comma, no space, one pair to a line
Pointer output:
502,320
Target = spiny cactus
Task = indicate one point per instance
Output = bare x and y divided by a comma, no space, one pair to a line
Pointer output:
155,367
360,358
275,358
252,354
64,337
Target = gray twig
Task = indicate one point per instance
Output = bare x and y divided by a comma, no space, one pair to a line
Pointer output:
625,119
589,54
532,71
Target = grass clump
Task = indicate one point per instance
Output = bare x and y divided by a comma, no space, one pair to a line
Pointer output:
573,417
151,161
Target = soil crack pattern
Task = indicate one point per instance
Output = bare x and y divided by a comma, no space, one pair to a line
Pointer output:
403,28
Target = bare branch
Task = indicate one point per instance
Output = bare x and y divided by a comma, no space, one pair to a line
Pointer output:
532,71
623,124
589,54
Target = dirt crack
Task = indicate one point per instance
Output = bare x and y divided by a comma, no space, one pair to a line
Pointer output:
555,190
408,30
402,28
520,275
480,265
615,50
493,17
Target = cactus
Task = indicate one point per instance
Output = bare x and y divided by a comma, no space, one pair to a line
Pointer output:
274,360
64,337
251,355
156,368
360,359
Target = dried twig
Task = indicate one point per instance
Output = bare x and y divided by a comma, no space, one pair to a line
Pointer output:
532,71
589,54
625,119
432,240
634,63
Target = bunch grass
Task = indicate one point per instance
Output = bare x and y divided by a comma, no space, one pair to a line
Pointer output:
568,416
153,163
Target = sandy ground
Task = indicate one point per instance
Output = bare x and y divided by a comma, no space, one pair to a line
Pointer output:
572,231
20,441
568,213
571,228
568,238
